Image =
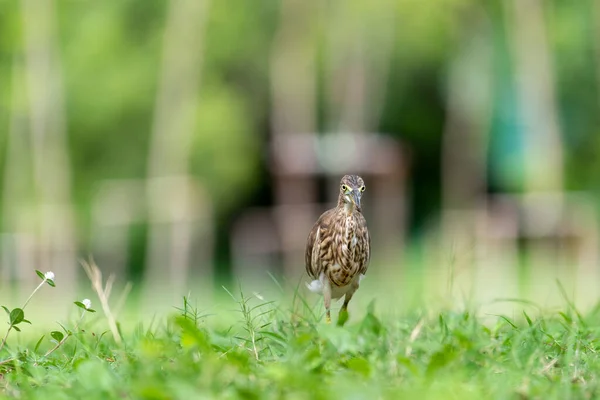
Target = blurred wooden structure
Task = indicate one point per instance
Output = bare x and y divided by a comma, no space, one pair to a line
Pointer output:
262,237
301,161
517,247
560,235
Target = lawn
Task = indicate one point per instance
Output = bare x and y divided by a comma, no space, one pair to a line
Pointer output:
283,349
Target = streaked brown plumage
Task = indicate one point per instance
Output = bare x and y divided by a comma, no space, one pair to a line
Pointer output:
338,248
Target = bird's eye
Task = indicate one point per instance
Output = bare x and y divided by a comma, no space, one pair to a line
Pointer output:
344,188
362,188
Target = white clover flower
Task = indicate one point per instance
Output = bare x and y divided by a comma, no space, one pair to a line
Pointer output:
87,303
49,275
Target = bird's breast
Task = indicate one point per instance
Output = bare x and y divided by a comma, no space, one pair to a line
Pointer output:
345,257
347,254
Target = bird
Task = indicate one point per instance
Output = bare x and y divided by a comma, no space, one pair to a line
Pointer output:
338,248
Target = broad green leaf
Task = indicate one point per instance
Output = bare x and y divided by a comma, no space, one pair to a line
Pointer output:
360,365
82,306
57,335
342,318
441,358
371,323
16,316
191,335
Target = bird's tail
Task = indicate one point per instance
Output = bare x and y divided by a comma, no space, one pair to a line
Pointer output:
315,286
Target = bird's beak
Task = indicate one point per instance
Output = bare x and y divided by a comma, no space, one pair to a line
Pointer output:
356,199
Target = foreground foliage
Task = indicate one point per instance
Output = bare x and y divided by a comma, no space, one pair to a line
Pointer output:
275,352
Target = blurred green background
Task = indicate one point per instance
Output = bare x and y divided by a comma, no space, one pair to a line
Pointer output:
146,133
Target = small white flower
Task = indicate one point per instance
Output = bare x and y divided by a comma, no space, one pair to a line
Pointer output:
87,303
49,275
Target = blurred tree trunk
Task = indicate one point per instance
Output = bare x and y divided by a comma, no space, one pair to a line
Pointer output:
180,231
536,96
464,156
543,200
41,215
18,241
596,42
468,116
359,38
293,90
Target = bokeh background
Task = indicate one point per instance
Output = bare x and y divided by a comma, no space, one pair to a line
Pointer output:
191,144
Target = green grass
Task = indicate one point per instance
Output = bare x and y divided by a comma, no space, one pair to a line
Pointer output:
283,349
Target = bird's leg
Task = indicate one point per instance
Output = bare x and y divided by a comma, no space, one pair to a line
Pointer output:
327,299
343,316
348,296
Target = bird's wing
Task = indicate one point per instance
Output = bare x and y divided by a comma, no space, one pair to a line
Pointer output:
366,258
314,266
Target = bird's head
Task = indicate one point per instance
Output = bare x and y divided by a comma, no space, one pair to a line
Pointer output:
352,188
